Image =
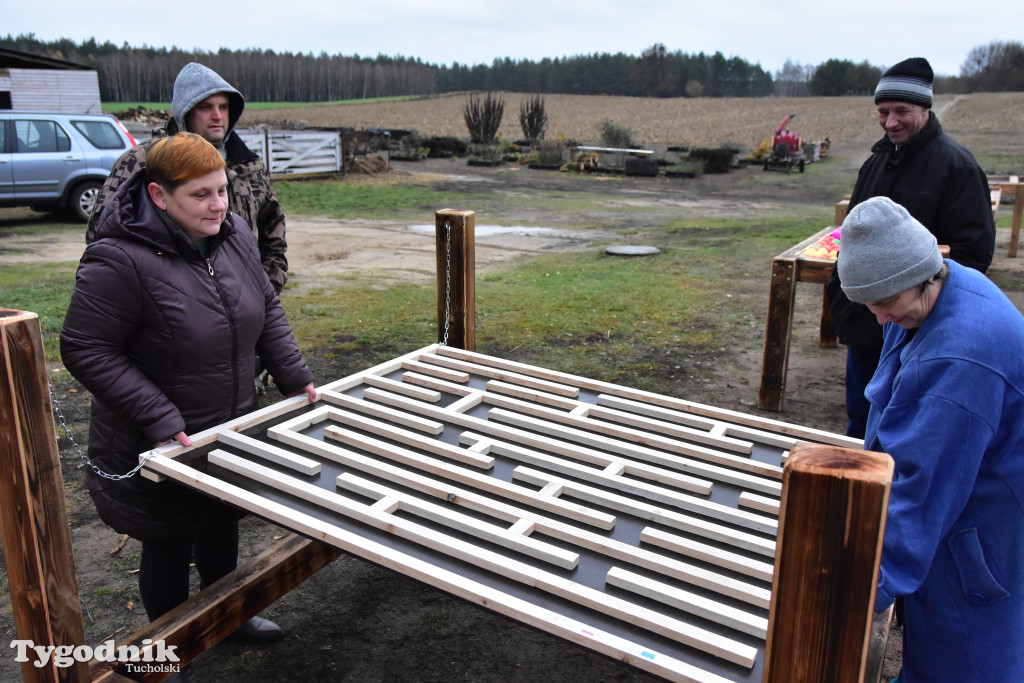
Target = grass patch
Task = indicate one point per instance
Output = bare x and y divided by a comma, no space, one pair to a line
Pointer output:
45,289
339,199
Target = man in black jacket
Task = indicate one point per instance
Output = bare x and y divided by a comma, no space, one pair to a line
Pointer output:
939,182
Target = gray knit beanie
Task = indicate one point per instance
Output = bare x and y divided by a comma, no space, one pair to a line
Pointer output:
884,251
194,84
908,81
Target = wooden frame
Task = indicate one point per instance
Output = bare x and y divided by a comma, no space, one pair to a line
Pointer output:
453,467
443,446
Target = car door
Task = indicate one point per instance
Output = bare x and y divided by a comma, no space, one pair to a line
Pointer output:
43,158
6,177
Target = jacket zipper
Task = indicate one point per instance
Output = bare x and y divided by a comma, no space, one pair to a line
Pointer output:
234,335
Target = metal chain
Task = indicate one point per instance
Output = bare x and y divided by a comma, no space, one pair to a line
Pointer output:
74,444
447,282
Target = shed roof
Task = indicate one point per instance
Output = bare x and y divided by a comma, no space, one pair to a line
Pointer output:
12,59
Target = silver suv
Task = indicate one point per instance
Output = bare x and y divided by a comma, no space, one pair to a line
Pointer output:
53,161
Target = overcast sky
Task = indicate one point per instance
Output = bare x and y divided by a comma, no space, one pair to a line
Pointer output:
808,32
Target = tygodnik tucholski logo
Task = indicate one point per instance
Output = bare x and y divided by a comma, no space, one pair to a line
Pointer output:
150,657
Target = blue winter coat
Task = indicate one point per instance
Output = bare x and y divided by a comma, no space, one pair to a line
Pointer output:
166,340
947,403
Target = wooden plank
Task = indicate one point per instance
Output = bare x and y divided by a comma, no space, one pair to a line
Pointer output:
270,452
499,535
671,415
544,525
412,439
475,592
510,377
402,388
511,568
707,553
433,466
572,450
33,515
542,397
732,416
612,479
633,445
830,536
723,614
671,518
383,412
436,371
762,503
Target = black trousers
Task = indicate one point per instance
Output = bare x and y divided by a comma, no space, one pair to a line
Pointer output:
164,568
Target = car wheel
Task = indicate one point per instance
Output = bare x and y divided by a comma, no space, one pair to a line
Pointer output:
83,199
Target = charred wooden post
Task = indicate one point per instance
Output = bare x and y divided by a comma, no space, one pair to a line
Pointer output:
827,556
33,518
456,278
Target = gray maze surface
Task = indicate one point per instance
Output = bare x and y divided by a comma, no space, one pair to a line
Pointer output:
638,525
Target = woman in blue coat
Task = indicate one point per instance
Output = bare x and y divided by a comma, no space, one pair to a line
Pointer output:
947,403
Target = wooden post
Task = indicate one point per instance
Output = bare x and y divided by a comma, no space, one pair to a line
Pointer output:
831,527
456,278
778,330
33,516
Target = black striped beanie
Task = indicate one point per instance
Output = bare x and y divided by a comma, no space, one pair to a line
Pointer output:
908,81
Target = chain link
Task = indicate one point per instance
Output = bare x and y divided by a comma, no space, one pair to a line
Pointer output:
447,282
74,444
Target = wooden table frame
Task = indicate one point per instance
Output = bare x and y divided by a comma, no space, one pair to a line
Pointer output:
789,268
820,621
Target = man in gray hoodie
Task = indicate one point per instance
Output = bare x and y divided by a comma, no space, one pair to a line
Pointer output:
205,104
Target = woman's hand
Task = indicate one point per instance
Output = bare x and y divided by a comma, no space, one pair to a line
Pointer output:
180,437
308,390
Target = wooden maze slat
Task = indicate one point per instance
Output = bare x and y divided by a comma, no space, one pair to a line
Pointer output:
689,602
444,490
633,449
710,530
700,577
731,416
617,481
427,464
707,553
690,634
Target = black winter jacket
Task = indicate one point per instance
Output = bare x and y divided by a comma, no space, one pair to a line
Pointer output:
942,186
165,340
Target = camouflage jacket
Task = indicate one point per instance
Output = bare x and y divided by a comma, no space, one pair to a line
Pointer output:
250,195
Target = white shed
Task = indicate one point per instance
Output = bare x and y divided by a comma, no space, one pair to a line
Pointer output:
33,83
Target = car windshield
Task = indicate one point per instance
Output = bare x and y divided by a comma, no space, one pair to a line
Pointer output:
101,134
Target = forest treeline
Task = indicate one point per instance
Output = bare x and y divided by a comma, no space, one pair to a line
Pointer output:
146,74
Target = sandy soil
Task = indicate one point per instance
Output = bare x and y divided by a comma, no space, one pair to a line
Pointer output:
356,622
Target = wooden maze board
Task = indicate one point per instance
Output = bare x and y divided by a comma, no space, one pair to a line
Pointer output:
638,525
